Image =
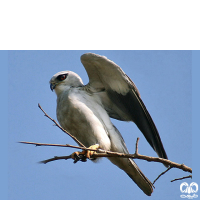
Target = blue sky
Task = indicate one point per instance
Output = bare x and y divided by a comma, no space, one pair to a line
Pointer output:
164,79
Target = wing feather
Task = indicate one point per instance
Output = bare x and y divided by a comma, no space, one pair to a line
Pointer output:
103,72
121,97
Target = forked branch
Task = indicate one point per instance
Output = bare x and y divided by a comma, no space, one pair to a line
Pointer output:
45,114
103,153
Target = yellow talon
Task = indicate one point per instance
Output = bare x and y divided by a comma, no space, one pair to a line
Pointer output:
90,153
76,156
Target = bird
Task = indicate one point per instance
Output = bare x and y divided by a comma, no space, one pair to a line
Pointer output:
85,111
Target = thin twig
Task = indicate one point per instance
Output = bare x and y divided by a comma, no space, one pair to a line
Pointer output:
190,176
136,146
57,145
56,158
147,158
103,153
45,114
162,174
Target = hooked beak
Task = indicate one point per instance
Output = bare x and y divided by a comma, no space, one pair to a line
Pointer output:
52,86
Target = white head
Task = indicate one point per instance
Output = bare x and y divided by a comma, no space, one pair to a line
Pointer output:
64,80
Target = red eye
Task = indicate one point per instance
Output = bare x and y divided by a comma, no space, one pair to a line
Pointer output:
62,77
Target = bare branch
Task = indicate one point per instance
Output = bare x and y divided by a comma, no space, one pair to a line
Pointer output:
162,174
45,114
103,153
57,145
164,161
190,176
55,158
136,146
147,158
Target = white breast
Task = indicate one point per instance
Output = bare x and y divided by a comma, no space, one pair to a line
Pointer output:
83,115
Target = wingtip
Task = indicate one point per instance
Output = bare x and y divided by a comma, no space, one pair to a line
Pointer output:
89,56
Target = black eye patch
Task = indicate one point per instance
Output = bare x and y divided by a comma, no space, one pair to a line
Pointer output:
62,77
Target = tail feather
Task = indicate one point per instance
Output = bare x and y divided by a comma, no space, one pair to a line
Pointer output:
133,171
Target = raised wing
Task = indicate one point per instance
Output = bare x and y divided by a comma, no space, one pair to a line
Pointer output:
121,97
